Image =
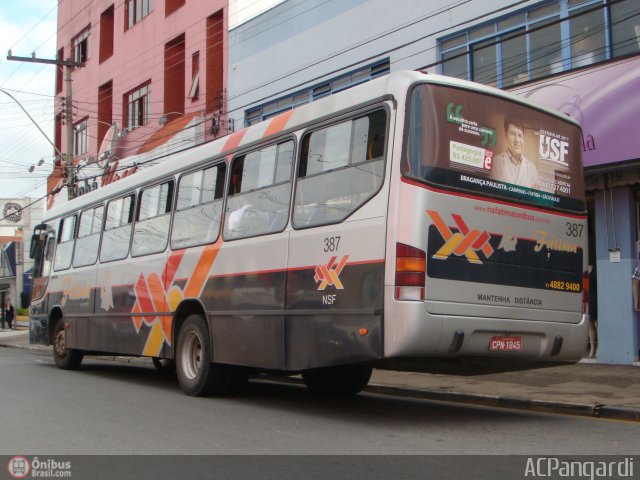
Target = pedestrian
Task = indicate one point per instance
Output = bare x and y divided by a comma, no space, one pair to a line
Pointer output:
635,279
9,314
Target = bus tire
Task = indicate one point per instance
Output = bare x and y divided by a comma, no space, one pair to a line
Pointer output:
340,380
197,374
65,358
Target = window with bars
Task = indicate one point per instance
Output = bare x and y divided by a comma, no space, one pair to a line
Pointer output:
545,39
137,106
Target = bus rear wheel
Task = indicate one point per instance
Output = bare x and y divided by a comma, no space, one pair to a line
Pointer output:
340,380
197,374
65,358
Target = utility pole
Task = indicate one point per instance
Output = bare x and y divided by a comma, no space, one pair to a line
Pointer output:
68,64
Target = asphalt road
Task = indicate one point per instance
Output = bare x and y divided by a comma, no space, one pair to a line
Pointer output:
114,408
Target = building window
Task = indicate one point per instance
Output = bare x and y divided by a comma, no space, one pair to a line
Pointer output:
105,112
195,76
106,34
81,138
542,40
275,107
171,6
137,106
136,10
174,77
81,46
625,28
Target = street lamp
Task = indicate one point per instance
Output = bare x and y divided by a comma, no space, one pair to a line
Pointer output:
32,120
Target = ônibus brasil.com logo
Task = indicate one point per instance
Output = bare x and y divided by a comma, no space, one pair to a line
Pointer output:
21,467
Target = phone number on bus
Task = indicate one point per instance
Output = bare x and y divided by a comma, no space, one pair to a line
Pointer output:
561,285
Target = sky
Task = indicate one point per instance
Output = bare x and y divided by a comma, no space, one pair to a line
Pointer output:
26,26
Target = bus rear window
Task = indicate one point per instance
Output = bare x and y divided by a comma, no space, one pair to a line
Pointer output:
492,146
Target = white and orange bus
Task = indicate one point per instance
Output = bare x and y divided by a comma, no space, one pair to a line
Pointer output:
415,218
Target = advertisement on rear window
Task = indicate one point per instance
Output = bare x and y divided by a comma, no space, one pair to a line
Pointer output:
477,142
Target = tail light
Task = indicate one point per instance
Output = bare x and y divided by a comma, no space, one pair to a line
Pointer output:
586,293
411,267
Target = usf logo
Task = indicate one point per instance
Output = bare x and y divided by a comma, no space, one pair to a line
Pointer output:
464,242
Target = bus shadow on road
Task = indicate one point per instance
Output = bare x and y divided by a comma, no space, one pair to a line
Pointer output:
288,394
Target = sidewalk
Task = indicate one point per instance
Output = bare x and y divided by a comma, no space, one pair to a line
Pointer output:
585,389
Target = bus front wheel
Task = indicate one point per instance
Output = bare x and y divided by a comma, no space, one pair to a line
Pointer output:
340,380
65,358
197,374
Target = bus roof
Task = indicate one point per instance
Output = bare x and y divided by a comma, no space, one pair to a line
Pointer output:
392,86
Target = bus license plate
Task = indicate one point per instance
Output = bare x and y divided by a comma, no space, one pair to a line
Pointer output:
505,344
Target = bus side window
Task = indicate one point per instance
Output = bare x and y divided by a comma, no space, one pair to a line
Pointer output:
117,229
151,230
196,220
259,192
86,251
64,250
341,168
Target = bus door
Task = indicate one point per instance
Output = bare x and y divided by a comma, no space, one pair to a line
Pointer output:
41,251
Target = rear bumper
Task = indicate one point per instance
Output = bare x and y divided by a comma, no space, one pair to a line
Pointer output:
410,331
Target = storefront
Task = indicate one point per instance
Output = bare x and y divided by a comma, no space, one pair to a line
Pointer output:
605,100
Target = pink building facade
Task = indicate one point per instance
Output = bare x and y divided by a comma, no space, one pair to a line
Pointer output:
153,81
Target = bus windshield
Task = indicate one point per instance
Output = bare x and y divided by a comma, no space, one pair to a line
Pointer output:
495,147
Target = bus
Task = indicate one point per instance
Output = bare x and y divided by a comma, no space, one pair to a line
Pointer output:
415,220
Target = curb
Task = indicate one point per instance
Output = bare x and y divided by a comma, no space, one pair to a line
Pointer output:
578,409
113,358
618,413
515,403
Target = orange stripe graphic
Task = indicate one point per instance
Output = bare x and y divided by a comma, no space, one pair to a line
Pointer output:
234,140
154,340
137,320
278,124
142,292
201,273
171,268
156,291
440,225
466,242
